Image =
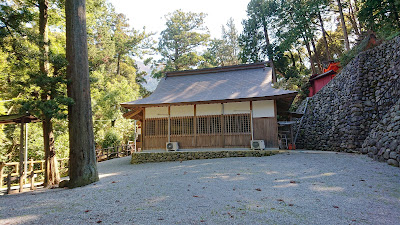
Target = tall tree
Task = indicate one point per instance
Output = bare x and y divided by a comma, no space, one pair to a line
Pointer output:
224,51
343,23
82,167
255,39
52,175
382,16
179,42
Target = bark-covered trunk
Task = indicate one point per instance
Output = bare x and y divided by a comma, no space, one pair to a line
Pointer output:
292,58
82,167
328,54
353,19
346,38
269,51
395,12
300,60
118,64
51,174
307,44
316,55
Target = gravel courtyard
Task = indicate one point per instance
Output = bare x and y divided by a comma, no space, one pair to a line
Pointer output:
290,188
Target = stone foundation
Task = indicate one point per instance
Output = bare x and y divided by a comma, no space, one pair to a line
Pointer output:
144,157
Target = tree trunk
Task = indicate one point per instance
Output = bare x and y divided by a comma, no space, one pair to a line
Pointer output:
118,61
328,54
310,55
82,167
346,38
52,175
354,19
269,51
316,55
394,12
300,60
292,58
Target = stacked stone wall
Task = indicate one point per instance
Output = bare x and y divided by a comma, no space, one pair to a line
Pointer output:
344,114
144,157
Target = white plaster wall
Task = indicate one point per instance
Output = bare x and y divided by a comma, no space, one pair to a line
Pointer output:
184,110
156,112
208,109
236,107
263,108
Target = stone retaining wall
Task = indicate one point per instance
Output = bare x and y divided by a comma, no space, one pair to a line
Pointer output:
138,158
356,106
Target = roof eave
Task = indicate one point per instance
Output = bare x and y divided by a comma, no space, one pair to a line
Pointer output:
272,97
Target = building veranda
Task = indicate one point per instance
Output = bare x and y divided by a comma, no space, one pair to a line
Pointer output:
222,107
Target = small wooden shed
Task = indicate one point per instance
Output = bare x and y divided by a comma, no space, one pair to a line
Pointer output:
222,107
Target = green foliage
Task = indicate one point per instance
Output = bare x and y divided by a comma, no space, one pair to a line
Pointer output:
380,16
224,51
179,42
111,139
114,74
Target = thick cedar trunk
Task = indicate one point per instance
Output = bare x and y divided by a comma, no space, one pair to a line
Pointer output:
82,167
328,54
52,176
346,38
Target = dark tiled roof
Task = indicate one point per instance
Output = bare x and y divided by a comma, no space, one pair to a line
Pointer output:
223,83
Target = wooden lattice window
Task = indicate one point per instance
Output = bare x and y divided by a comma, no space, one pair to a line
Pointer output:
237,124
182,126
156,127
209,125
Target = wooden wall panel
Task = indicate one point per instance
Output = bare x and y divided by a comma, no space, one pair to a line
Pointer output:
266,129
209,141
155,142
237,141
186,141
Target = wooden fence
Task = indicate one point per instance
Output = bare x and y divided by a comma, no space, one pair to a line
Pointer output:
34,167
113,152
11,170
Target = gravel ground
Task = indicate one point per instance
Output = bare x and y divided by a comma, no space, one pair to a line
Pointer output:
289,188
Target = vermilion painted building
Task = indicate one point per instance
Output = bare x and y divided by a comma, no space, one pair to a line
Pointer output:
318,81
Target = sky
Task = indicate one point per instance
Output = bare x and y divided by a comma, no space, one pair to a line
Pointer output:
150,13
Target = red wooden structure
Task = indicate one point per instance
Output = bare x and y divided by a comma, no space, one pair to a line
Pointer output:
318,81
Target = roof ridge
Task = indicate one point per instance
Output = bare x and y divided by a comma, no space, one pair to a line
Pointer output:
217,69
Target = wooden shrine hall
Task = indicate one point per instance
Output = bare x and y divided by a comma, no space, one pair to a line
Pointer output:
222,107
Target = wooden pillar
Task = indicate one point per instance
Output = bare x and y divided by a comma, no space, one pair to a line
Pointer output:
169,123
251,120
144,129
21,150
195,125
222,127
276,121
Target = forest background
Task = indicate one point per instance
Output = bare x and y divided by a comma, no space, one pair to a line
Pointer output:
292,34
